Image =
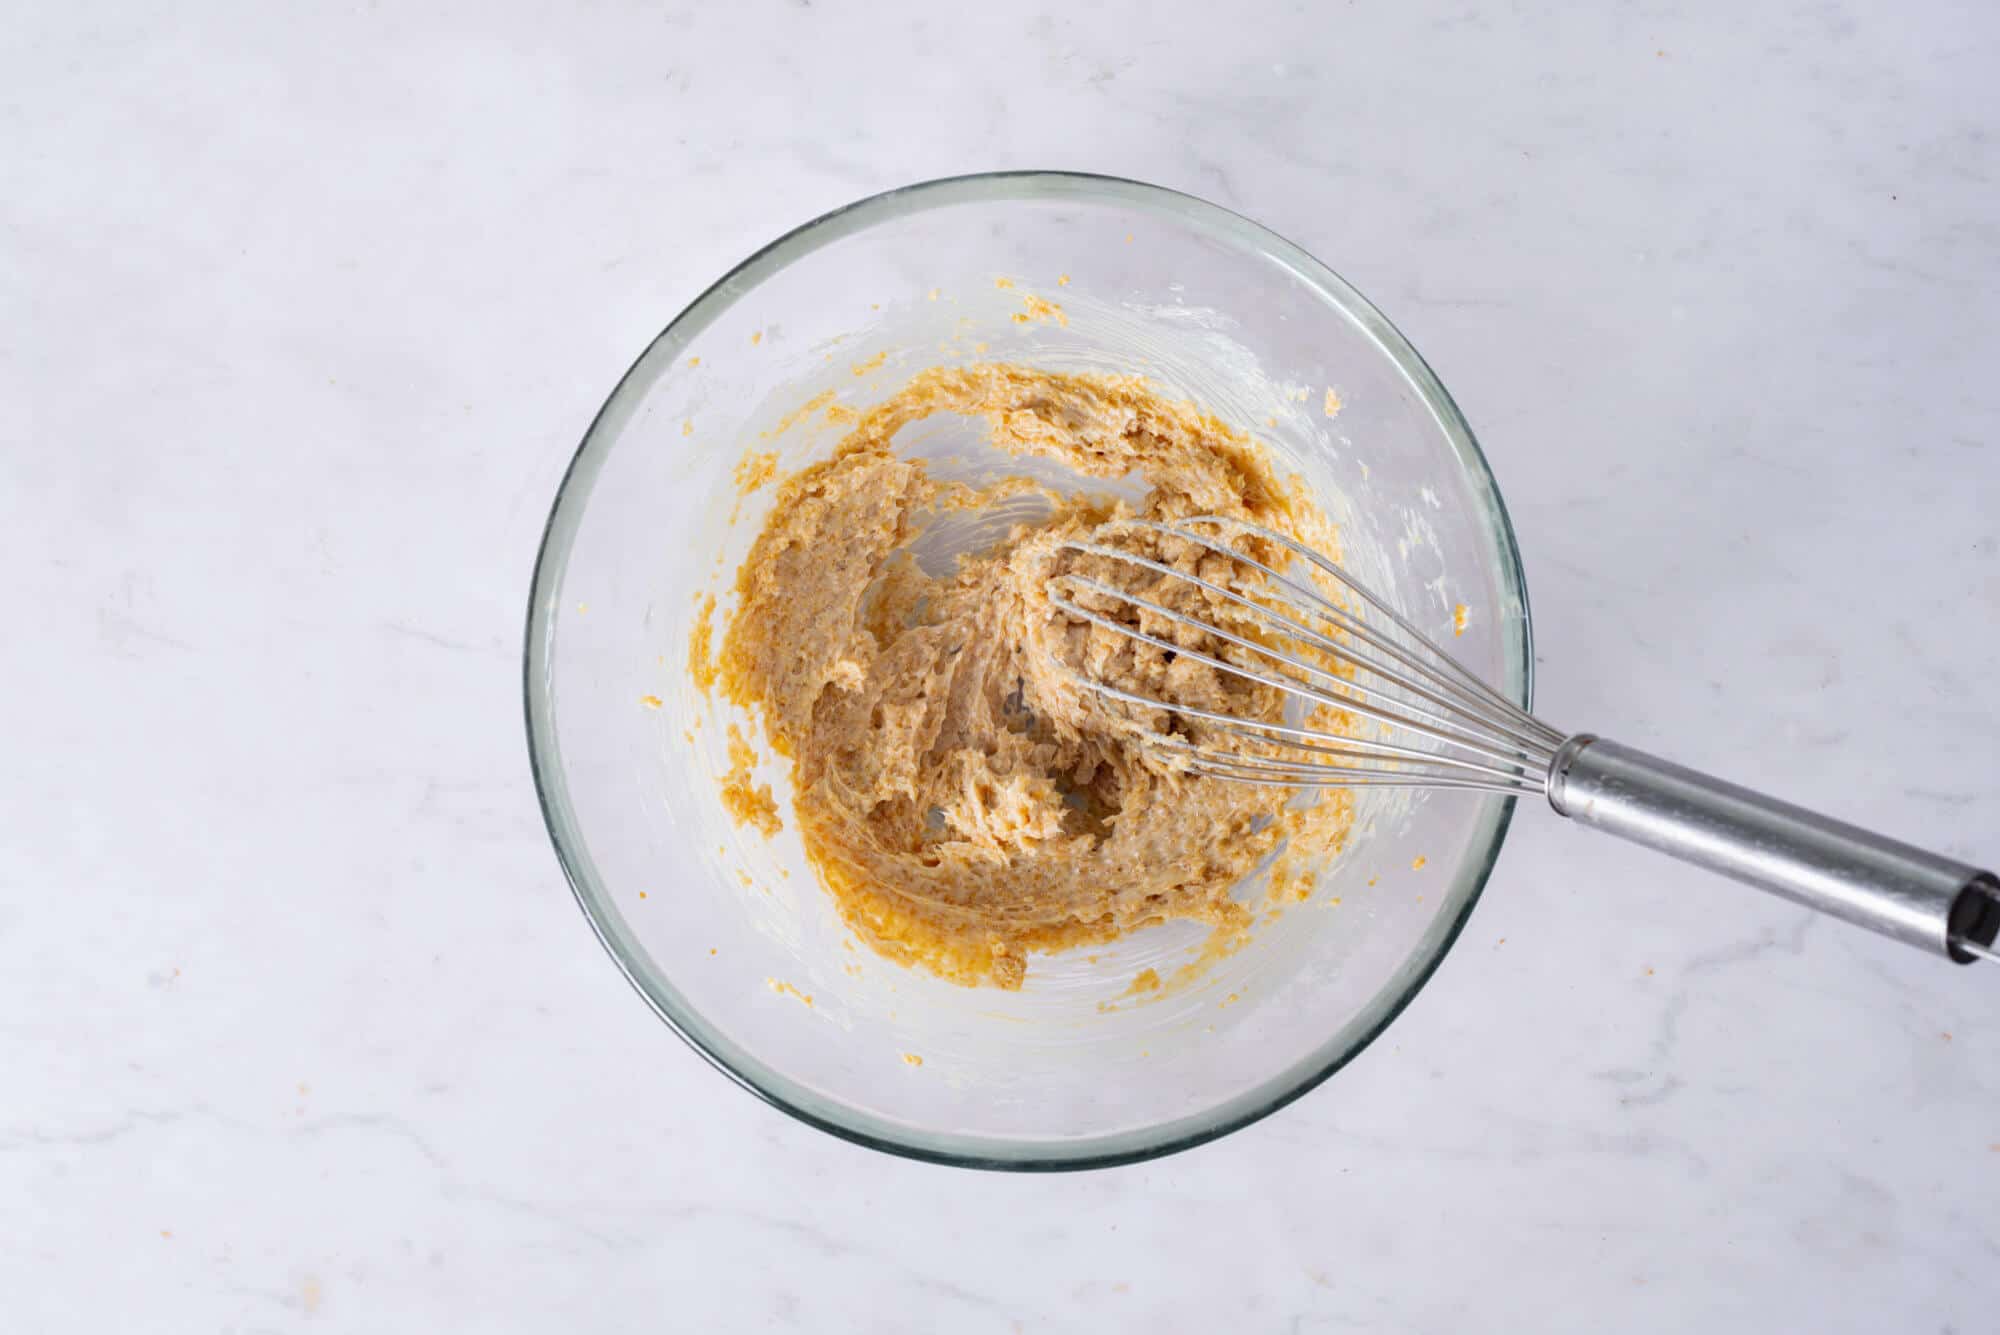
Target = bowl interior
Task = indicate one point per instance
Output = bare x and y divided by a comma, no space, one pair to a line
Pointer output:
726,933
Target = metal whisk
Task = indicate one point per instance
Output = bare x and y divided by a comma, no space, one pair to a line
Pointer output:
1445,728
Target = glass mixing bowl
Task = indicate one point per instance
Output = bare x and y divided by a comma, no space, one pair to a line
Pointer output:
727,935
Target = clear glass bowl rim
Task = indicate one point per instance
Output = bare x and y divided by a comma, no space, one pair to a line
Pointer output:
565,516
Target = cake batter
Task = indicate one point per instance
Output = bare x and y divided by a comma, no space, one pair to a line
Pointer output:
963,802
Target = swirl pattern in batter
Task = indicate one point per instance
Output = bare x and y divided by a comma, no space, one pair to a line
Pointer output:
962,801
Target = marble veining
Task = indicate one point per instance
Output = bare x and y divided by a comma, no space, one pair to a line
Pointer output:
306,310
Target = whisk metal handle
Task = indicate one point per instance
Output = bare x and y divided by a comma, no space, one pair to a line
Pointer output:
1934,903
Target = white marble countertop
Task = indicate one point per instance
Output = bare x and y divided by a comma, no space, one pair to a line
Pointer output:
304,313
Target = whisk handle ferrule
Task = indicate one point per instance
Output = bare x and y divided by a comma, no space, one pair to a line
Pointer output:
1929,901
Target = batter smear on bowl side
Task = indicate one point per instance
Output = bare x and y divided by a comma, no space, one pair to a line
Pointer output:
962,801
